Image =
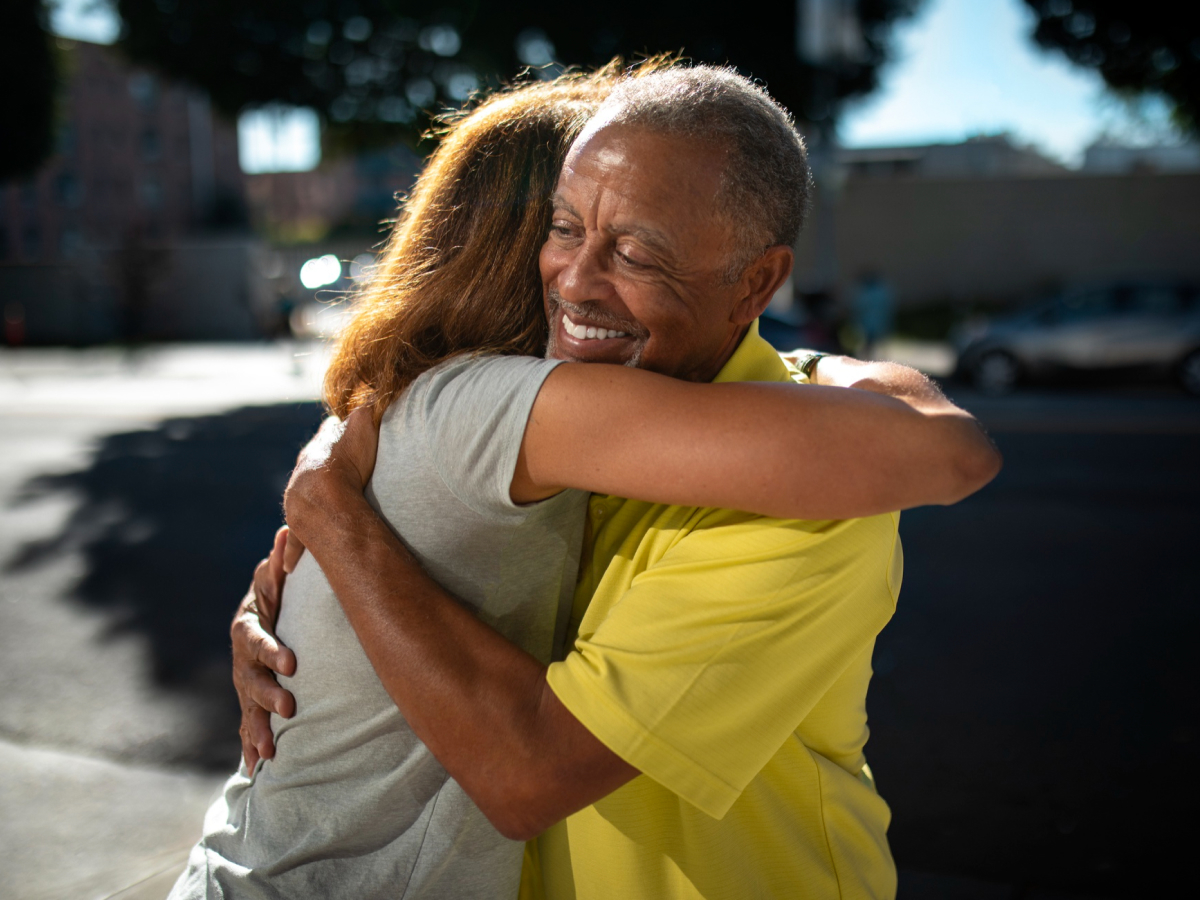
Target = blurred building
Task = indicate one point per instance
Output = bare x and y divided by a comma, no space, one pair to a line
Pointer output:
985,156
987,222
346,193
1115,159
136,227
143,227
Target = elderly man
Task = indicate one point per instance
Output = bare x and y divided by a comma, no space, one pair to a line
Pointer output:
704,737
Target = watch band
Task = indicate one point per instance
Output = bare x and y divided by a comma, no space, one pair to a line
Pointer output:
808,364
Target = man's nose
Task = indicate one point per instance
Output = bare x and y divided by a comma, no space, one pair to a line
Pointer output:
583,277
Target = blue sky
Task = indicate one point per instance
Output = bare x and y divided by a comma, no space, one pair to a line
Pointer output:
961,67
966,67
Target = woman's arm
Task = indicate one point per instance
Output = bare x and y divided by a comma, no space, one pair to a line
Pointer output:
791,451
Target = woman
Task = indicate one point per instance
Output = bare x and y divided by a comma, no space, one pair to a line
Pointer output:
447,351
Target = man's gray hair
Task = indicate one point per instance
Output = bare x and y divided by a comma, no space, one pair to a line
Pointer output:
767,185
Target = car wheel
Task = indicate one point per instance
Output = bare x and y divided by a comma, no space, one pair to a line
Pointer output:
1189,373
995,372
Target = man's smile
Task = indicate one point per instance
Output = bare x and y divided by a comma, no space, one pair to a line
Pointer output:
589,333
584,332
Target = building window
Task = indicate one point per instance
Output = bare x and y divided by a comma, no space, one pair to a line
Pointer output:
151,145
152,193
144,89
70,191
70,241
32,242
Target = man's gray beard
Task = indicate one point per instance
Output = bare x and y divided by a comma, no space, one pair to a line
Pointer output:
559,306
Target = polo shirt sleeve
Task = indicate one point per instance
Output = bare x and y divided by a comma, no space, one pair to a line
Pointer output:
717,652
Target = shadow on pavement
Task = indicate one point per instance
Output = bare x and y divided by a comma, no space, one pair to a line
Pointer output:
170,523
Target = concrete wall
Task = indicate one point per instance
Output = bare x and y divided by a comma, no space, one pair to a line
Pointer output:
1001,239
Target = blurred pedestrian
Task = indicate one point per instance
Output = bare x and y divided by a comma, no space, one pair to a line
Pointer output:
873,310
14,324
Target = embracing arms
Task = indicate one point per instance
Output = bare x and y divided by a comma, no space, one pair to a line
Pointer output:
782,450
482,705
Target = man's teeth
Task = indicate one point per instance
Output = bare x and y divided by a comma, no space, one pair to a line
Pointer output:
589,332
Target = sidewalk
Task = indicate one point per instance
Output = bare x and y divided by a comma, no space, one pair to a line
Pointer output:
80,828
91,807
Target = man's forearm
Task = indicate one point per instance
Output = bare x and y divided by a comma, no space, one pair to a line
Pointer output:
479,702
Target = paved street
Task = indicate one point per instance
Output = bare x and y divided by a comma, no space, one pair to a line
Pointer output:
1034,715
1033,720
137,493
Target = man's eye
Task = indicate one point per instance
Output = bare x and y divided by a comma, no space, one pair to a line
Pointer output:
630,261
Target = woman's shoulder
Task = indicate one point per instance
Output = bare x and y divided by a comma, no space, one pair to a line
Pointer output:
485,365
471,380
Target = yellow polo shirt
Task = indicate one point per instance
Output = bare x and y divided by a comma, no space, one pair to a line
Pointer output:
726,656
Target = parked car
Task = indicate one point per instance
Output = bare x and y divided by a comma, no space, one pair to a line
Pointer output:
1142,329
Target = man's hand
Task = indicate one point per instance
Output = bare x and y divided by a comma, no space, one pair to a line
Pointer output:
341,457
892,379
258,656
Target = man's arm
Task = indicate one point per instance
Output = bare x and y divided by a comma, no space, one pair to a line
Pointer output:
485,708
479,702
258,657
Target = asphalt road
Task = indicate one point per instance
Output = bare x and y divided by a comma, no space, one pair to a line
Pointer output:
1034,723
137,492
1034,715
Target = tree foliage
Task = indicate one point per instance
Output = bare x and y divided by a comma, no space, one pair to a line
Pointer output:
1138,46
374,68
28,71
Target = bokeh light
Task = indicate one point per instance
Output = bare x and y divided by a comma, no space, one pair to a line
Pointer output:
320,271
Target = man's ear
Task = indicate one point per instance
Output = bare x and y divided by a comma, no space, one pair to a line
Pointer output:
760,281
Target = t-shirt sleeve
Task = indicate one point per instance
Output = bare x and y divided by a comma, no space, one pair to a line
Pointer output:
717,652
472,413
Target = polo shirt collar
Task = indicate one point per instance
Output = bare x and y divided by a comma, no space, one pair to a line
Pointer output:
753,360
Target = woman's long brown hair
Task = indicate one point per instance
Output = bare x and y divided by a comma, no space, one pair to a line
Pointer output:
460,271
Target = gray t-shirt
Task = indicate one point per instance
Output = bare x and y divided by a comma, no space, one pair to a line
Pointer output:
353,804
